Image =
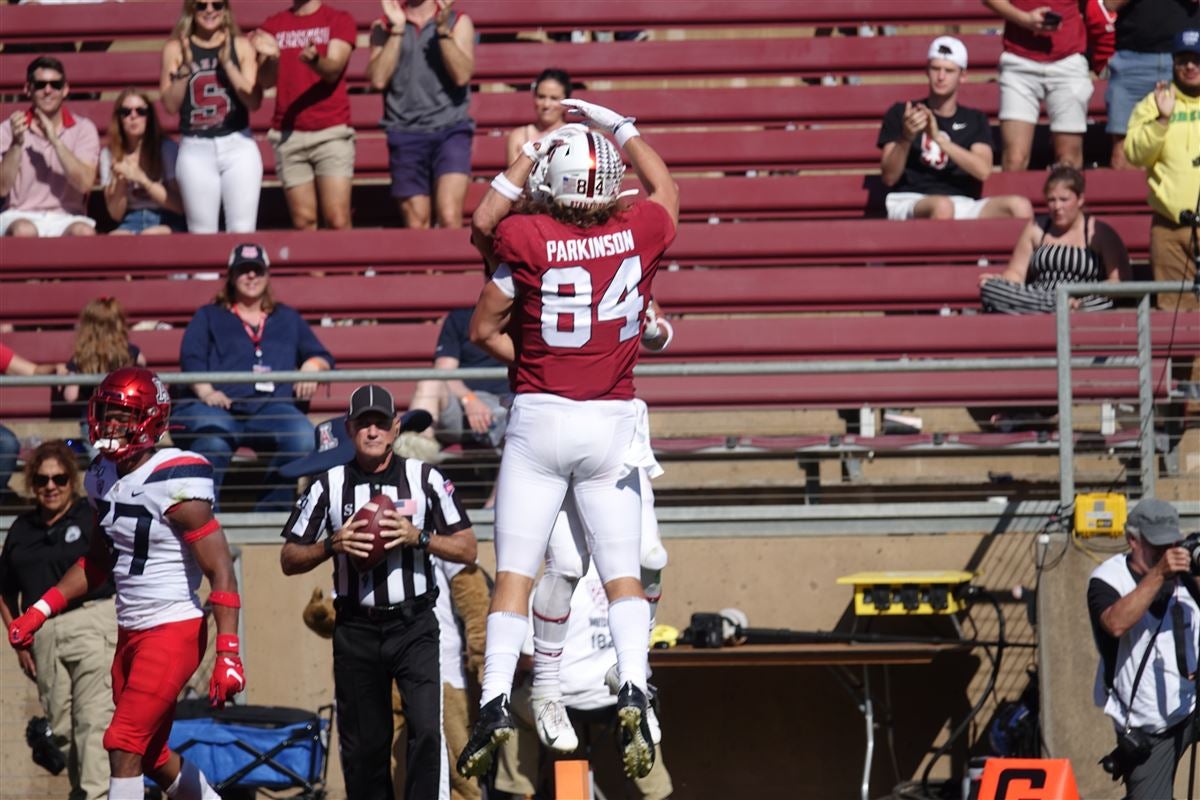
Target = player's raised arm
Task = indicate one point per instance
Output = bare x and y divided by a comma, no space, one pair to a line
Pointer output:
506,188
86,574
651,169
202,533
490,321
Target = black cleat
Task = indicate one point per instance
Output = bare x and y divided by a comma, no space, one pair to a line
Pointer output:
492,729
633,732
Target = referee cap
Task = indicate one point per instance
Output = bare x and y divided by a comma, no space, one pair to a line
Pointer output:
333,444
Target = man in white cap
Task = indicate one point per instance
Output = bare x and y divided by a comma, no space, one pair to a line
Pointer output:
937,153
1141,610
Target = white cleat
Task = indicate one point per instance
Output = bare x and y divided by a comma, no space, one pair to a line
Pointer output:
612,680
652,723
554,727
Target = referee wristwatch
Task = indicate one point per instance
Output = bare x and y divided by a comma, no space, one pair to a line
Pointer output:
423,540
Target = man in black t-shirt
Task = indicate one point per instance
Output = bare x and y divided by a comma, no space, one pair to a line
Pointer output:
473,410
937,154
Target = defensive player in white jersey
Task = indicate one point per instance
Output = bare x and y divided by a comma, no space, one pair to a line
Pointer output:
155,508
566,308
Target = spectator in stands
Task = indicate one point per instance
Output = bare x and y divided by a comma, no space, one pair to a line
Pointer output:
1045,42
552,86
1164,131
473,411
307,49
1069,246
422,58
1146,31
71,660
49,162
101,346
137,169
10,446
209,77
245,330
937,153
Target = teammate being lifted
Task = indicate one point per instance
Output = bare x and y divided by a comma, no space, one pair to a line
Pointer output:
566,309
155,508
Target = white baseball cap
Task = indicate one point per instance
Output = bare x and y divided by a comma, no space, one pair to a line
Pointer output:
950,49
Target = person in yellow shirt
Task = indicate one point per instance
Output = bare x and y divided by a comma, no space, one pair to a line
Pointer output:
1164,137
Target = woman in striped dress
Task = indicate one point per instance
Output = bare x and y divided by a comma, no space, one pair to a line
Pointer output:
1068,246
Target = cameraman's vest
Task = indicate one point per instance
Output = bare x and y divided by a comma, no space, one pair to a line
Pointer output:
1163,698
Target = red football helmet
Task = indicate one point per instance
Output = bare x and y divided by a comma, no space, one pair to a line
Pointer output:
128,413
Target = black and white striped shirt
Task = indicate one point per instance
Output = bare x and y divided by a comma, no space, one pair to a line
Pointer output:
334,497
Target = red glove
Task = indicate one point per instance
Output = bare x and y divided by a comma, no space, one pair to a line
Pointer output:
228,676
22,629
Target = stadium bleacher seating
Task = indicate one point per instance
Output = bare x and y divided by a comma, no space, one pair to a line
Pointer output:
26,24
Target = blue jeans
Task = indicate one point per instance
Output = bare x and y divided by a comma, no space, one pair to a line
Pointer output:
276,427
10,445
1131,76
139,219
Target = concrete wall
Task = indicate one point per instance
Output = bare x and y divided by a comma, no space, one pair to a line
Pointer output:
778,730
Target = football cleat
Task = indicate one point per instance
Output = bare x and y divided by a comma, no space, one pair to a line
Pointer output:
492,729
613,683
633,732
553,725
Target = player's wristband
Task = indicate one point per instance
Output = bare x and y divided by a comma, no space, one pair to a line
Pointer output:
228,643
51,603
506,188
227,599
625,131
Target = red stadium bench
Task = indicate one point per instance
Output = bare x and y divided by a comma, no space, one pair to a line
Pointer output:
815,242
153,20
420,296
741,339
756,105
521,61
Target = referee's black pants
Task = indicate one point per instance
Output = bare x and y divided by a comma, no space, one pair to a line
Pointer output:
367,656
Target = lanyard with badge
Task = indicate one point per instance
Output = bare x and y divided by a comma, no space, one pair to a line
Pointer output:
256,333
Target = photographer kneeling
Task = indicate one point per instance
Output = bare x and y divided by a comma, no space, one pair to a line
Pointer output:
1144,618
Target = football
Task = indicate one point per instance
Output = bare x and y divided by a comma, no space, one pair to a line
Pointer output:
372,512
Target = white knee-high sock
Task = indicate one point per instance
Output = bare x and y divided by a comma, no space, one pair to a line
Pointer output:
629,623
190,784
506,633
126,788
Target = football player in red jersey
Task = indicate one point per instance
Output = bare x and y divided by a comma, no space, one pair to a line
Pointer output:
566,309
155,507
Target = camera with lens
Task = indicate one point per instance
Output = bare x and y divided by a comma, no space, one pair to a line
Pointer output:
1192,545
706,630
1133,747
46,754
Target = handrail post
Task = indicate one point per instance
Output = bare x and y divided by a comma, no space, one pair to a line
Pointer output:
1066,441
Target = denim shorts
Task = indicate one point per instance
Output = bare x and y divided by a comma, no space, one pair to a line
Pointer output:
140,219
417,160
1131,76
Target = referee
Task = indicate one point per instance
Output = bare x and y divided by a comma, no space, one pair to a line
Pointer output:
386,629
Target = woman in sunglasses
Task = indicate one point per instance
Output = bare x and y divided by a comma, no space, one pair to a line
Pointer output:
210,78
71,661
137,170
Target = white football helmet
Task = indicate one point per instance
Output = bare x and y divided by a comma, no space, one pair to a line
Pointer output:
584,170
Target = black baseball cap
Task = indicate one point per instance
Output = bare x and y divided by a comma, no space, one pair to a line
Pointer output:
371,397
333,445
248,254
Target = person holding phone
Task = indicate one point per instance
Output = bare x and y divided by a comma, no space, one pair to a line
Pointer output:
1044,59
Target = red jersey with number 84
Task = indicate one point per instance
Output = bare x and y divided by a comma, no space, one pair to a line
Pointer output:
580,296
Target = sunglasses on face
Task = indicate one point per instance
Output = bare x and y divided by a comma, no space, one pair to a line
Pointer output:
217,6
257,270
56,85
42,481
136,111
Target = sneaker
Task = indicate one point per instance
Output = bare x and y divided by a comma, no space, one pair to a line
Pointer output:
492,729
612,680
633,732
652,724
553,725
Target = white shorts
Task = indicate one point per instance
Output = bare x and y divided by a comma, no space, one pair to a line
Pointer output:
568,554
1065,86
900,205
49,224
557,447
